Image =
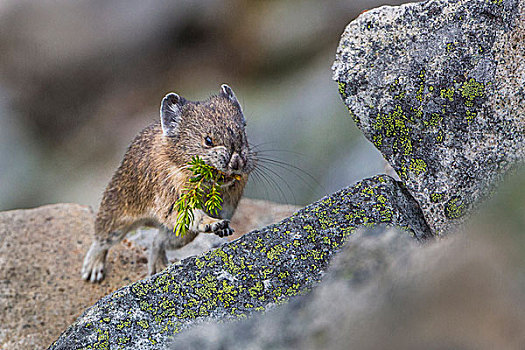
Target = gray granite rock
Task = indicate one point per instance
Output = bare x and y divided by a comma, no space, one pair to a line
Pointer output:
384,291
438,87
311,321
257,271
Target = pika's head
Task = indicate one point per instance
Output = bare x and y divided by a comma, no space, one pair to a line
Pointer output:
213,129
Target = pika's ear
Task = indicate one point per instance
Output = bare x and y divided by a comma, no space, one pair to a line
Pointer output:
228,93
171,113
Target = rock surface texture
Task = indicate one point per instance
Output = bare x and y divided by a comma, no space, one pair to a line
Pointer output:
41,252
383,291
438,87
257,271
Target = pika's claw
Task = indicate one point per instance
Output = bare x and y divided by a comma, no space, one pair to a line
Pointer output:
222,228
225,232
219,227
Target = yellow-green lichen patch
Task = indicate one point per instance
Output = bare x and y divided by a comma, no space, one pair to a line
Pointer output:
275,252
470,115
448,93
421,88
394,124
417,166
435,120
437,197
342,89
454,208
354,116
143,323
470,90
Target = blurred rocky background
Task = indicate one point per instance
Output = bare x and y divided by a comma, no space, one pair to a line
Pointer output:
78,79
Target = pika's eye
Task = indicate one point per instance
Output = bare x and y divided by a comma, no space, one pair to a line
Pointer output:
208,142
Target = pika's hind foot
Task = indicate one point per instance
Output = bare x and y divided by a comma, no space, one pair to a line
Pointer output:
93,266
157,260
158,264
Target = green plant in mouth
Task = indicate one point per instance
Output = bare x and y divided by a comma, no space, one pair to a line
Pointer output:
202,192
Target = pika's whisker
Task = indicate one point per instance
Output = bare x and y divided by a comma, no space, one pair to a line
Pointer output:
281,179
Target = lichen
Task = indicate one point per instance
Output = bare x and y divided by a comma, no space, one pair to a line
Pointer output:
470,90
437,197
454,208
394,125
417,166
244,276
342,89
448,93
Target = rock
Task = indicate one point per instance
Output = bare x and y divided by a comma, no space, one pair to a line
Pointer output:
383,291
438,87
259,270
41,252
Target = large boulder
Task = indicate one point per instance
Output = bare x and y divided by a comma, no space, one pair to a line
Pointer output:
259,270
438,87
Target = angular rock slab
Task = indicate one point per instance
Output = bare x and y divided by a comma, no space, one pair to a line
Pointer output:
260,269
438,88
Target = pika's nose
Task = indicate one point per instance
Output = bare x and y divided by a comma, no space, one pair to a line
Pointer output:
235,162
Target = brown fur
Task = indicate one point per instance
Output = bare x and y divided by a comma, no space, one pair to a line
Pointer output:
154,172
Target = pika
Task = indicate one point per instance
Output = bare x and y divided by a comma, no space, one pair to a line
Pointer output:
154,172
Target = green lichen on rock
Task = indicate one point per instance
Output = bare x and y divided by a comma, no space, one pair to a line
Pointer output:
342,88
418,166
437,197
262,268
448,93
454,208
471,90
428,82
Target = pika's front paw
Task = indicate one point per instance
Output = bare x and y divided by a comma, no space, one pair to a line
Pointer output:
220,228
93,266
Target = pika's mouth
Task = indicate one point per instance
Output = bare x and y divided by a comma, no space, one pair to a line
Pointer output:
229,179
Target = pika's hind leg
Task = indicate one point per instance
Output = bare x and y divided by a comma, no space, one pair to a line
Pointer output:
95,260
166,239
